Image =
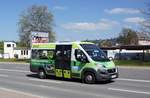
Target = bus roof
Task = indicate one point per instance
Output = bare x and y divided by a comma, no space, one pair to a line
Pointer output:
53,45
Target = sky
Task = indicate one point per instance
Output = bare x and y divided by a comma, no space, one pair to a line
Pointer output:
76,19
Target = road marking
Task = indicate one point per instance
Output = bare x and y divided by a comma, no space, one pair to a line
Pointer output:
72,91
14,63
130,91
55,88
135,67
2,75
47,81
133,80
14,70
19,67
19,92
122,79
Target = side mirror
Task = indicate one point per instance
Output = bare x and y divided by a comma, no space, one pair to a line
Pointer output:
110,58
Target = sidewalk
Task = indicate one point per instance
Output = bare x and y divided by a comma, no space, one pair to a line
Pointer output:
7,93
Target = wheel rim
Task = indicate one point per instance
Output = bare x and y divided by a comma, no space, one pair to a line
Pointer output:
41,74
89,79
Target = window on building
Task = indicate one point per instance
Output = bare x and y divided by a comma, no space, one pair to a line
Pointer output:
26,52
21,52
8,45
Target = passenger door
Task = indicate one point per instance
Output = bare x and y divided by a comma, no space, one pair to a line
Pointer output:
63,61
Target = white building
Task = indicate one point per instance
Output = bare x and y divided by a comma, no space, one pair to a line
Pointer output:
1,55
113,53
131,52
22,53
143,39
144,42
11,51
8,49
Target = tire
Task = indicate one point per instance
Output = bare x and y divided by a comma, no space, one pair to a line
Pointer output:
89,78
41,74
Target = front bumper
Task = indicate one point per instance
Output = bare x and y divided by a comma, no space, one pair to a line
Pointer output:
109,75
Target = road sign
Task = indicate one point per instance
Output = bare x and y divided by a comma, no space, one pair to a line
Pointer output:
39,37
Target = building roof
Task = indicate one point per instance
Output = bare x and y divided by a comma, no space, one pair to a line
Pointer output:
21,48
128,47
9,42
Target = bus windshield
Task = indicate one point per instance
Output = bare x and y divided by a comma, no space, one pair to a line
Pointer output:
95,52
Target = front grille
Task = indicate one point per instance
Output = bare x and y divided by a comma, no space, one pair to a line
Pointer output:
111,70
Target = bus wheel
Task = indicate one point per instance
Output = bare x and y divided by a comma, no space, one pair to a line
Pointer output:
89,78
41,74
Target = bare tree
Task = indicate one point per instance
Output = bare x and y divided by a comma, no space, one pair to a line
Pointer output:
128,37
1,46
146,23
35,18
105,43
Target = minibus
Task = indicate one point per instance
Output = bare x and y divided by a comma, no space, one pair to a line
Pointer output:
81,60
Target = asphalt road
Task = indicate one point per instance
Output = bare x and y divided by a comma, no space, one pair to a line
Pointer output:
132,83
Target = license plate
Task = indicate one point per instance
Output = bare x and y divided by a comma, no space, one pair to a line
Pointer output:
113,76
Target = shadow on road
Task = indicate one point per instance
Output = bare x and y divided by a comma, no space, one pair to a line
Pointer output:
32,75
68,80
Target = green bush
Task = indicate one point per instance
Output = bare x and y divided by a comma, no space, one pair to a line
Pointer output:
15,60
131,63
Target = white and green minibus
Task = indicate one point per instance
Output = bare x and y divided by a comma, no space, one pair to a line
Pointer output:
82,60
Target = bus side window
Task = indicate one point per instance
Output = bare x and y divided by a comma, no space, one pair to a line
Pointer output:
43,54
59,55
67,54
50,54
35,54
80,56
